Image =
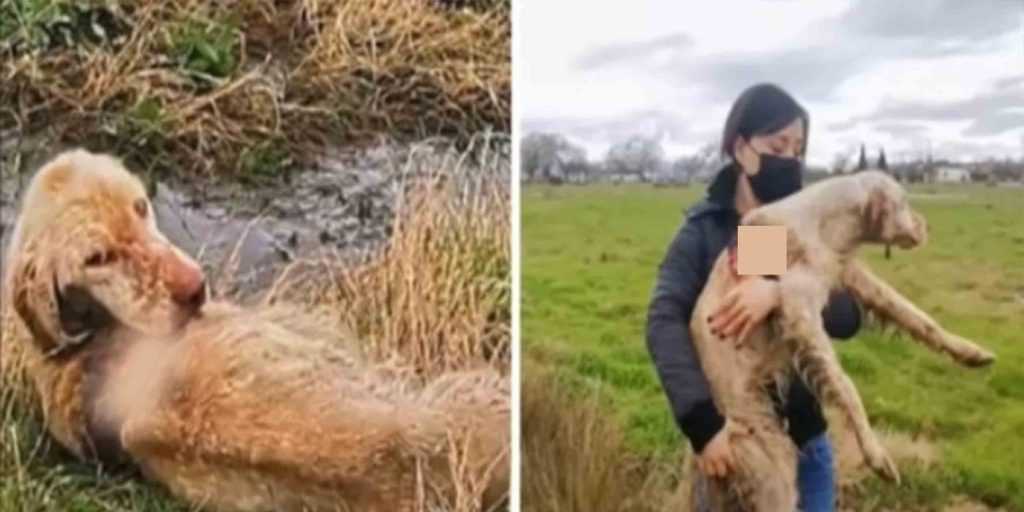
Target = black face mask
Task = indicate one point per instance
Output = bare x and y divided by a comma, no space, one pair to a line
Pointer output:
778,177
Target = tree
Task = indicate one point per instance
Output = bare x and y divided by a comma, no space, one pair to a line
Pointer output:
710,160
862,164
882,164
705,161
547,156
639,156
839,163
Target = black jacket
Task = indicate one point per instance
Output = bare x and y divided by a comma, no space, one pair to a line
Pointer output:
709,226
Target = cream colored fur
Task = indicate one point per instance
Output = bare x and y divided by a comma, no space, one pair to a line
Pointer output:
826,224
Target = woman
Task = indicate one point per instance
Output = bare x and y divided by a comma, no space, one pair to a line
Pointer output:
765,139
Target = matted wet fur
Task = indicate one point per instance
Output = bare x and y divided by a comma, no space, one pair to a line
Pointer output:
826,223
230,408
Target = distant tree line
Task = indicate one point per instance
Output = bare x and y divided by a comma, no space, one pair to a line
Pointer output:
923,168
552,158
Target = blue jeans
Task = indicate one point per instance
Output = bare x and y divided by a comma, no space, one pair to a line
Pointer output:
815,476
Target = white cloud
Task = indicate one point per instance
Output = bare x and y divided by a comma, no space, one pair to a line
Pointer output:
612,62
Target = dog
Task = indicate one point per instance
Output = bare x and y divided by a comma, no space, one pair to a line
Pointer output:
825,223
230,408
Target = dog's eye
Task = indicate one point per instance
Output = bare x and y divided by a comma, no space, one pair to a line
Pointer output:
100,258
141,207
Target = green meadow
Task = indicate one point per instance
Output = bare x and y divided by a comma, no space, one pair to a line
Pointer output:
589,258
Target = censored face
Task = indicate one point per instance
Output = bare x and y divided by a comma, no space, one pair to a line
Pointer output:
87,252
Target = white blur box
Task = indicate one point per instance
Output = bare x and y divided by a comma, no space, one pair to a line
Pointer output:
761,250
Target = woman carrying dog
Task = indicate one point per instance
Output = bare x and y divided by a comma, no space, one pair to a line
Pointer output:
765,138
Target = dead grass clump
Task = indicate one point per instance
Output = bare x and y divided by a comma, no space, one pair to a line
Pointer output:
219,87
575,457
902,447
15,386
964,504
437,295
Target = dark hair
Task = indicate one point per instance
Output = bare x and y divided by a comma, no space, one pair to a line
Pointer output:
762,109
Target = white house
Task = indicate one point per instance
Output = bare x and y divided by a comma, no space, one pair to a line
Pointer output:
949,174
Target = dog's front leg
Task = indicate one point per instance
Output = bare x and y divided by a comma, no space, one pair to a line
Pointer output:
816,363
819,368
886,302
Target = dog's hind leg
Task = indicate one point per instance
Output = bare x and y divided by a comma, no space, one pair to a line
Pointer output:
258,441
290,460
892,307
764,479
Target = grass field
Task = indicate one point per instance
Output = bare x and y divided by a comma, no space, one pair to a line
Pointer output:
589,259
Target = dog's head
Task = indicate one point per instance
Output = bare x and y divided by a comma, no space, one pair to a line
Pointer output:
86,255
886,213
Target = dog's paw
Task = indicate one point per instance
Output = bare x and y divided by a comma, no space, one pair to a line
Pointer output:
979,359
880,462
973,356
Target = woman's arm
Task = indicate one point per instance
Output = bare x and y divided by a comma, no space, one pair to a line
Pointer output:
678,285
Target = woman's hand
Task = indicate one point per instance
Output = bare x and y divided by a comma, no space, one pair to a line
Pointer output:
744,308
715,460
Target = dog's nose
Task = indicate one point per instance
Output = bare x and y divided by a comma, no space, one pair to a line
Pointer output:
184,280
192,297
190,290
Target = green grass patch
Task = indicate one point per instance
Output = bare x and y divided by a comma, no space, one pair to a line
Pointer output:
25,19
206,48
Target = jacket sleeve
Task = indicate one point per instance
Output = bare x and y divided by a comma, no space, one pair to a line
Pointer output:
842,315
678,285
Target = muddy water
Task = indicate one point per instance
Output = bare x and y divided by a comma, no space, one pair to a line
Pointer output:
344,207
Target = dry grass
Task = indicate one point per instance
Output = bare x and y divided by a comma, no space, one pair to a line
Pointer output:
435,298
438,295
962,504
904,449
578,457
221,87
575,457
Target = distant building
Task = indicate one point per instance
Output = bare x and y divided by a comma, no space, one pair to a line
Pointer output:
982,173
949,174
576,173
624,177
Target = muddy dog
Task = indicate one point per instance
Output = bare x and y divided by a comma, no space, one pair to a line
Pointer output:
826,223
231,408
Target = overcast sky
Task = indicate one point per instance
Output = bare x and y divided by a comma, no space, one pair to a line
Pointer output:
898,74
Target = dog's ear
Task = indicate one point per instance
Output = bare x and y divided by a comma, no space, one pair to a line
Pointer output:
34,301
80,316
875,209
57,318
